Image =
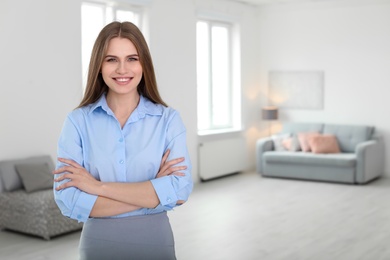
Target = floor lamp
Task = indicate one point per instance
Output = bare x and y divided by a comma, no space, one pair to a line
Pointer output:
269,113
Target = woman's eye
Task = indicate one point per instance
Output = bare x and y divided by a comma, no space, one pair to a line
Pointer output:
111,60
132,59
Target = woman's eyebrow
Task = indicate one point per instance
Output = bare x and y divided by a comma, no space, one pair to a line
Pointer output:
113,56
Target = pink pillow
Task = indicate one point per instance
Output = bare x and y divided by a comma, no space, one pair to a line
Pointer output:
287,143
303,140
291,144
324,144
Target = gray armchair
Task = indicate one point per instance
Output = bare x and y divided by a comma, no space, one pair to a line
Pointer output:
27,200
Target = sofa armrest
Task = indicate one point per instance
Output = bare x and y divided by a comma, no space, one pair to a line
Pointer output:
262,145
370,160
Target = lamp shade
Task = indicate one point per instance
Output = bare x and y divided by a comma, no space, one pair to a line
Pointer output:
270,113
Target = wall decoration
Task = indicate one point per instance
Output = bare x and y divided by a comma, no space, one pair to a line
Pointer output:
296,89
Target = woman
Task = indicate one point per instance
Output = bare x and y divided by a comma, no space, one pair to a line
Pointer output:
123,160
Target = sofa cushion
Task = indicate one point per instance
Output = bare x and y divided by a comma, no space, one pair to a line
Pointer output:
292,144
35,176
338,160
323,144
10,178
303,138
349,136
278,139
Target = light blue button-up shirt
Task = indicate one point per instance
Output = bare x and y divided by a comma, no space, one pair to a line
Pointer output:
93,137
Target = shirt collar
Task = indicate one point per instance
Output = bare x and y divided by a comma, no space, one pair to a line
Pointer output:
145,106
102,103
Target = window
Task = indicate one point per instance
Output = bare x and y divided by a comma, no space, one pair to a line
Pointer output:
94,16
217,95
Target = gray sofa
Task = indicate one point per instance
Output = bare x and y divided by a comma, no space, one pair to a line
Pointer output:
27,200
361,158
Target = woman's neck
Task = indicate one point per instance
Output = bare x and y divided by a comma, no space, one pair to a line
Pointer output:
122,105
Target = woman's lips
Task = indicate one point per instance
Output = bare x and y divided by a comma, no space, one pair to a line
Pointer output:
122,81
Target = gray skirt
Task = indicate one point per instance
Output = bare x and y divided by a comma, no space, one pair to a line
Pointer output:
137,237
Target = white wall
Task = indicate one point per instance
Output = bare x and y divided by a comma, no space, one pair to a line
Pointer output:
40,74
41,67
172,44
349,42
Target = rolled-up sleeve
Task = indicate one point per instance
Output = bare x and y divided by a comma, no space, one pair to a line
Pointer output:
170,189
72,202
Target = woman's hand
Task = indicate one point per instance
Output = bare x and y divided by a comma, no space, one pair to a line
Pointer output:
78,177
168,168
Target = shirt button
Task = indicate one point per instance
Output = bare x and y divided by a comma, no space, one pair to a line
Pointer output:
120,140
78,216
169,199
121,161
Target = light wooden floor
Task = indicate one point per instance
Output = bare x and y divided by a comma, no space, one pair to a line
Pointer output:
245,217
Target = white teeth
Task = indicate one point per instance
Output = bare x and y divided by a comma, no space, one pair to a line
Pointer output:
122,79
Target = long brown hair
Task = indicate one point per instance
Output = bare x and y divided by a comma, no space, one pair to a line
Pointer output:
96,86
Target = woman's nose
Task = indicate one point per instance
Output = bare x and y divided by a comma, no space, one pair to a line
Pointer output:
121,69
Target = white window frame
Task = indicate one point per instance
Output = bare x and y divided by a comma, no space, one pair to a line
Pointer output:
234,80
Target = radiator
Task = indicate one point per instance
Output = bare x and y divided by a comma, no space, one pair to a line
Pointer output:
221,157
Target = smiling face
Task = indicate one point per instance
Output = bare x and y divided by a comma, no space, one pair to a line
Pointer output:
121,69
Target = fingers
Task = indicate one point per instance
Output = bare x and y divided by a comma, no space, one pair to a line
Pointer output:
69,162
177,174
169,168
73,180
65,169
172,171
170,163
60,187
159,175
180,202
64,176
64,185
62,170
70,166
175,169
67,184
165,157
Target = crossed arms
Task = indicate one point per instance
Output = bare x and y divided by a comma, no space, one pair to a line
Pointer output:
114,198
